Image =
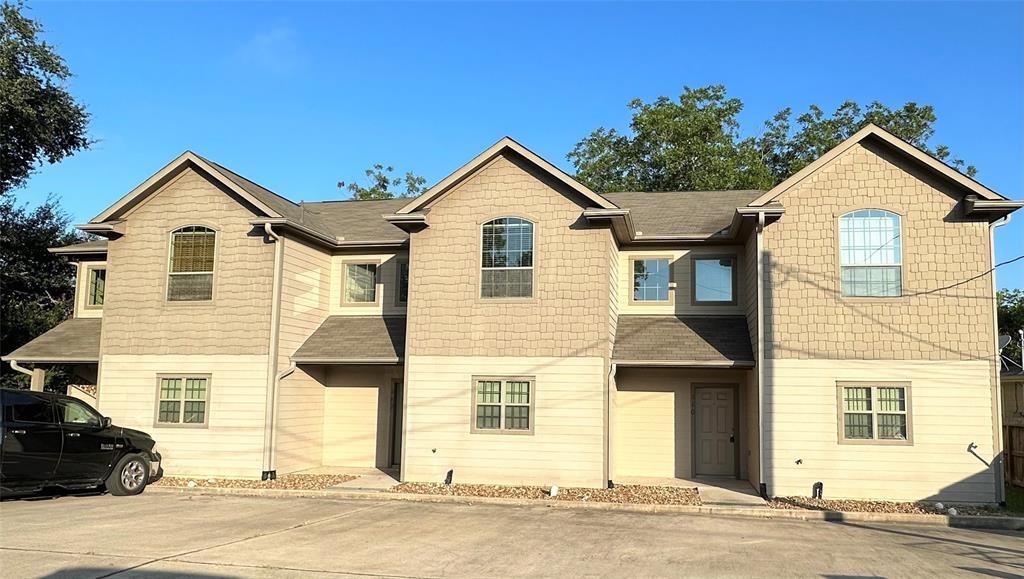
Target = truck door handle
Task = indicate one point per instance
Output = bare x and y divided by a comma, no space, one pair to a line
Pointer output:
732,438
73,435
19,431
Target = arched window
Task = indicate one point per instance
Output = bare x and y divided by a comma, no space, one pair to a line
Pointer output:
870,254
507,260
190,274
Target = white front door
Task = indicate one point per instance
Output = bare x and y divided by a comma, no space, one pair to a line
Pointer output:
714,430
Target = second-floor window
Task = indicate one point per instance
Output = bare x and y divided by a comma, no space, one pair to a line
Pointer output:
507,258
402,296
190,275
650,280
360,283
96,283
714,280
870,254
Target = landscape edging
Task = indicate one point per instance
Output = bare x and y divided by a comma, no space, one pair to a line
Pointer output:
960,521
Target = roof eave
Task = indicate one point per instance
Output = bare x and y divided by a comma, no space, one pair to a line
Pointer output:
992,209
354,361
684,363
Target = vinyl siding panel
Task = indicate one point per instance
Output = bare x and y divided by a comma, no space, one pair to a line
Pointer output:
232,443
567,444
950,408
357,417
305,302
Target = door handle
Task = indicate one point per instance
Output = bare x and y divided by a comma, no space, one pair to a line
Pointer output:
19,431
73,435
732,438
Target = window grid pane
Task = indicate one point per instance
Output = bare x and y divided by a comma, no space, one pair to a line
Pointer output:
170,388
713,280
857,399
517,393
892,426
892,399
190,287
507,258
858,426
488,416
194,413
195,389
361,283
97,285
650,280
488,392
517,417
169,411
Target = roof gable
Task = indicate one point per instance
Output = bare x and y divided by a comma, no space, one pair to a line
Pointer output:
263,200
505,144
880,135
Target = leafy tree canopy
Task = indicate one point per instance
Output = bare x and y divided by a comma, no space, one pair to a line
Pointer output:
1011,319
695,143
37,286
40,119
382,185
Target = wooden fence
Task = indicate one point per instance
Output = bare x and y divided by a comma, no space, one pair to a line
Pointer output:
1014,452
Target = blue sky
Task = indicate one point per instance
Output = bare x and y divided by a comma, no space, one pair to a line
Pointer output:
300,96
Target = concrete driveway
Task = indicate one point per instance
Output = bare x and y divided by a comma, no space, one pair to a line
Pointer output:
164,535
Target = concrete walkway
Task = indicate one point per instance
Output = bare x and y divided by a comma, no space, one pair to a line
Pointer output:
714,491
208,537
367,479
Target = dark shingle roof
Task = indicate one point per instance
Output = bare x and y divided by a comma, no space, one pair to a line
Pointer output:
359,220
94,246
682,212
75,340
353,339
685,339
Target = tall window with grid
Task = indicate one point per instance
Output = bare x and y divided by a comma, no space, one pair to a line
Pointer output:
506,258
870,254
190,275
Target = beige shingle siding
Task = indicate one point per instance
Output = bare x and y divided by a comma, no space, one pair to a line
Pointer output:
569,316
142,321
305,303
806,316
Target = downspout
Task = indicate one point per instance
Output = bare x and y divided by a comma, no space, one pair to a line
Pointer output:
270,418
759,357
20,368
997,395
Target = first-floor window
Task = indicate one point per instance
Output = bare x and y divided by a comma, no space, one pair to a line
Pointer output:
183,400
503,404
878,412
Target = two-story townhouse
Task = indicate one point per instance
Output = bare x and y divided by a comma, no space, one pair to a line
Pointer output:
512,326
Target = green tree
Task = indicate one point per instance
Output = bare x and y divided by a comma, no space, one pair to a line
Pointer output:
382,184
1011,319
40,119
696,143
37,286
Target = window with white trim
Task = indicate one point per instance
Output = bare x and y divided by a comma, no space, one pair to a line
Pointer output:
651,279
360,283
870,254
507,258
503,404
183,400
879,412
190,274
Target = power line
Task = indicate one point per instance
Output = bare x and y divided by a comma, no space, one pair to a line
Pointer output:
968,280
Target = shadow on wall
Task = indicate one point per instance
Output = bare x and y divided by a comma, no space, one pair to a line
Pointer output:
775,275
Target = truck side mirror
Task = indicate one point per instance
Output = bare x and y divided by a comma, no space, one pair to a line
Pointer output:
107,422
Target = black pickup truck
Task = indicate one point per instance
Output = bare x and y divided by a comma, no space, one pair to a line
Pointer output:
52,440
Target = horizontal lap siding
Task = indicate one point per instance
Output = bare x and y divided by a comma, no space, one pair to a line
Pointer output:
565,448
305,302
232,444
950,408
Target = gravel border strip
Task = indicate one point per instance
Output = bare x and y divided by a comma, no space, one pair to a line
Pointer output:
963,522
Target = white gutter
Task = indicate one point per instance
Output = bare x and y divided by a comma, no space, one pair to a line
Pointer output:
997,411
759,355
270,418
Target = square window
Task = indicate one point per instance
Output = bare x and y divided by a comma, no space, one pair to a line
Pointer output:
651,279
182,400
503,405
714,280
360,283
874,412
